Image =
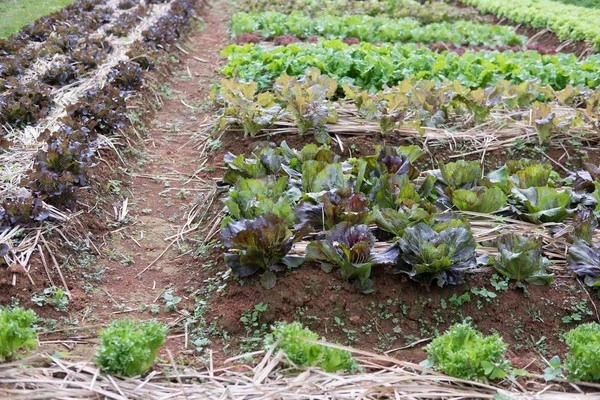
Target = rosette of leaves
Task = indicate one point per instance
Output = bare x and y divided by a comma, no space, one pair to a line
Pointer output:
583,359
522,259
307,101
332,208
243,106
393,191
479,199
542,204
104,109
547,123
583,260
22,211
250,198
265,162
464,352
60,74
460,174
16,331
526,174
91,52
321,176
350,248
585,223
389,108
396,221
129,348
288,337
262,245
23,105
143,54
427,255
62,167
126,75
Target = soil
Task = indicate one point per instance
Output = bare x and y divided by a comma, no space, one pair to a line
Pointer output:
117,269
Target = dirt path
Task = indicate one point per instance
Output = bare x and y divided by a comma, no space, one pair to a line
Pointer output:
142,258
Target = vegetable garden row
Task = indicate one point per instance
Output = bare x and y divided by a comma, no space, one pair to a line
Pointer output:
382,151
341,69
63,93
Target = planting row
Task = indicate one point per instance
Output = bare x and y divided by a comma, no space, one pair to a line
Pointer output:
309,102
53,52
129,348
372,29
61,167
371,67
567,21
427,13
278,197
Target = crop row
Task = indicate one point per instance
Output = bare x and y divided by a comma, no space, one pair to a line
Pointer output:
427,13
65,54
371,67
567,21
309,102
69,152
373,29
279,196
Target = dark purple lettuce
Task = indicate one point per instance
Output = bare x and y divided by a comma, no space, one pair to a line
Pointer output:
262,245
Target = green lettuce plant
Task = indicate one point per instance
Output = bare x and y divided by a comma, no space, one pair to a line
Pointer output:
583,359
522,259
542,204
427,255
464,352
16,332
128,348
288,337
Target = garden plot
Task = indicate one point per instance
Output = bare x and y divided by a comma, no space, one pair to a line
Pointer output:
390,193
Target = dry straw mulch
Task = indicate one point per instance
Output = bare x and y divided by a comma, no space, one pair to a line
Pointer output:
383,377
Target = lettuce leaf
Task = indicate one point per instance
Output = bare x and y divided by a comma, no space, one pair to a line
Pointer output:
542,204
262,244
583,260
480,199
427,255
349,248
521,258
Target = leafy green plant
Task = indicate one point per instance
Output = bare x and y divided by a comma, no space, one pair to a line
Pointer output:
371,28
333,207
583,260
466,353
567,21
251,197
521,258
16,331
52,295
349,248
542,204
554,370
289,338
307,101
427,255
583,359
480,199
244,106
262,244
128,348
